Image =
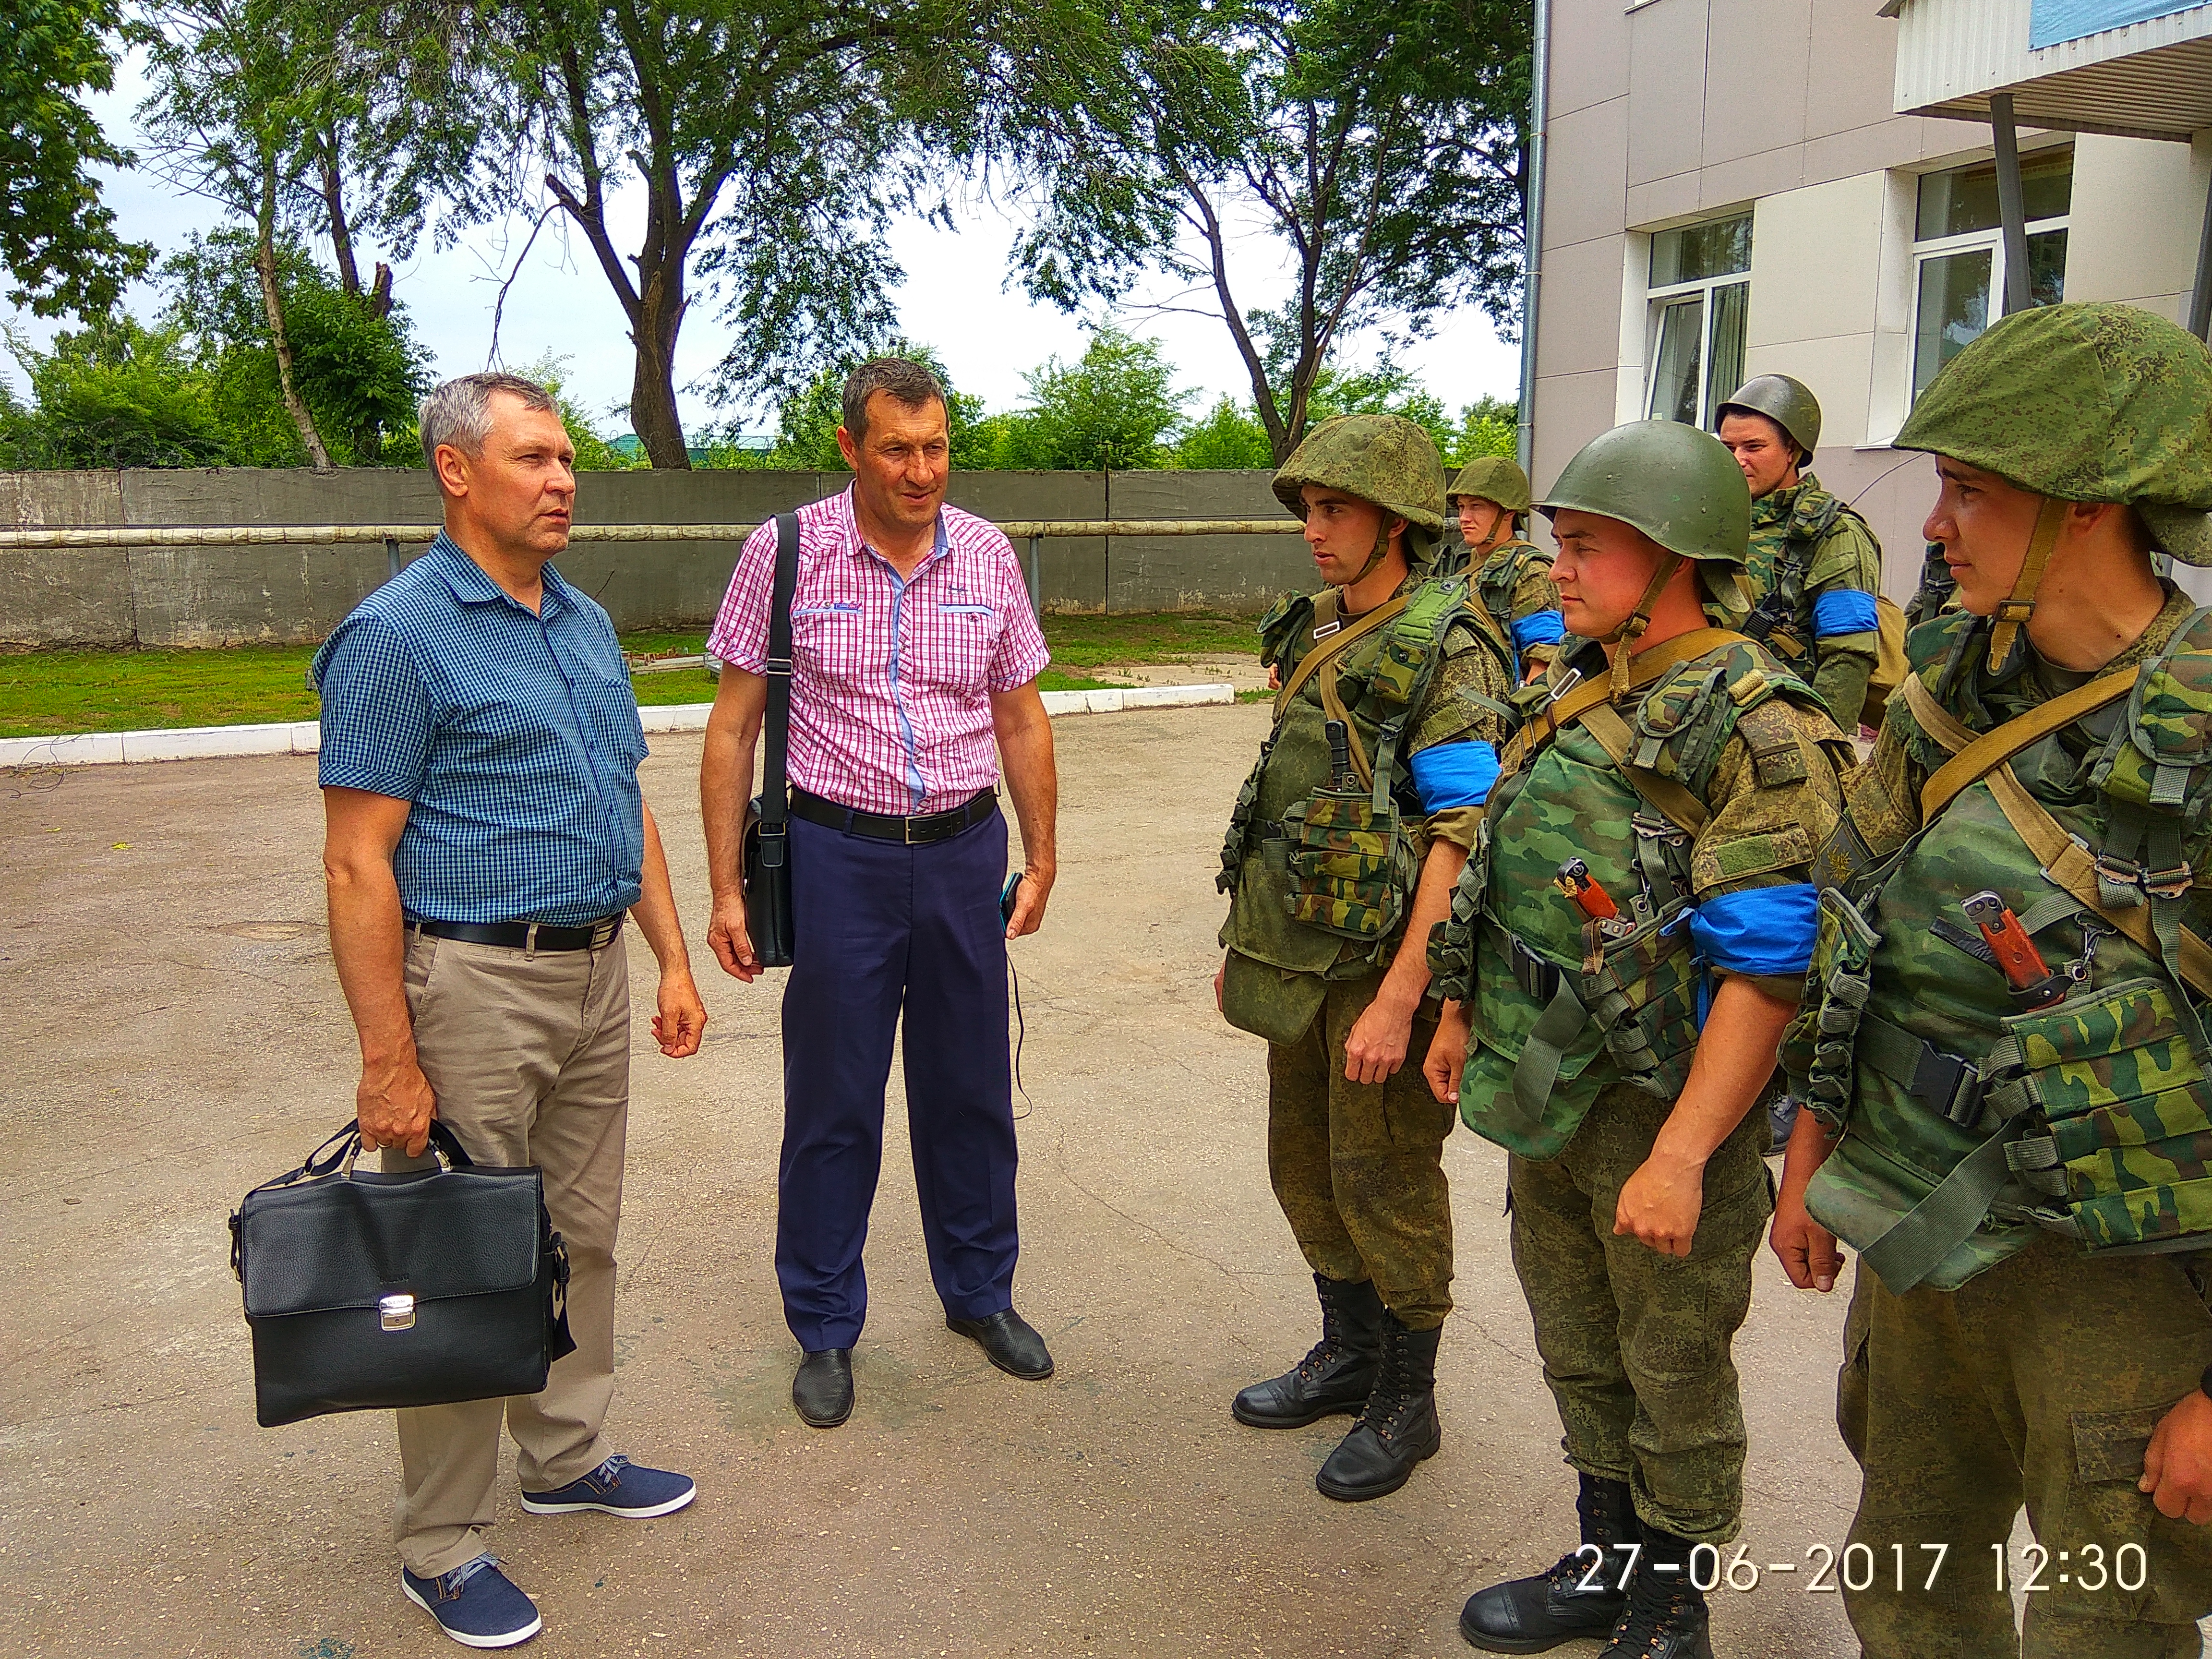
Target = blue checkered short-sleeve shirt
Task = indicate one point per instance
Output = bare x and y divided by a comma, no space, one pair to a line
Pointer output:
515,736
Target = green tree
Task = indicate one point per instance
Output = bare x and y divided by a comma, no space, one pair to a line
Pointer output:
114,393
1488,426
1230,435
808,418
58,239
1111,410
1377,151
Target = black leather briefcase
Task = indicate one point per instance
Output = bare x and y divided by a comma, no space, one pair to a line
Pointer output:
767,851
366,1291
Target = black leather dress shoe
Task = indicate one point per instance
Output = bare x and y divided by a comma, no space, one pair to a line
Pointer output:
823,1390
1012,1346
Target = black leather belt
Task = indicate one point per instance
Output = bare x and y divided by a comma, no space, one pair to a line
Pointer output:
524,935
914,831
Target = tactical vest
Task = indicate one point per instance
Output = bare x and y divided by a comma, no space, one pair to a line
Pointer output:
1321,870
1974,1117
1561,1006
1783,617
1494,582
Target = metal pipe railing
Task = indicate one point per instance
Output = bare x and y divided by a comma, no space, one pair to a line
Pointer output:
255,535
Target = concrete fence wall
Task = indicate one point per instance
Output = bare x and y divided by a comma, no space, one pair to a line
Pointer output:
291,593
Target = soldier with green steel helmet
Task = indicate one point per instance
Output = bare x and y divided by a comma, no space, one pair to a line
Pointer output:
1816,566
1510,574
1626,946
1343,846
2003,1048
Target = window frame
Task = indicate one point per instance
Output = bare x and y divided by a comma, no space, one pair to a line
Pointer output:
1968,242
1658,298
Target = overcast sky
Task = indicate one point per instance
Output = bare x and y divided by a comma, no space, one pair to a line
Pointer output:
954,298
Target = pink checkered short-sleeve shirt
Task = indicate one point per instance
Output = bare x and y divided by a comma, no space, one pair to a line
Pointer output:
891,680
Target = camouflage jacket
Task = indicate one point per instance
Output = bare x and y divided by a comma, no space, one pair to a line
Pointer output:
1460,697
1749,742
1514,584
2085,1115
1794,558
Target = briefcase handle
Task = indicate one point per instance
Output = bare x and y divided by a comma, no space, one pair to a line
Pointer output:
337,1154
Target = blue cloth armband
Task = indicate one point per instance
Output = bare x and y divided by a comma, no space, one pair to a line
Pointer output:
1767,931
1844,611
1538,628
1449,775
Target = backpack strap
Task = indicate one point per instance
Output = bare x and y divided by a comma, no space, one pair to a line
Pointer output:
1325,650
1975,755
1644,668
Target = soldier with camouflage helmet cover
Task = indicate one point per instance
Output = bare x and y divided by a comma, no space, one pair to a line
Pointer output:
1511,575
1343,846
2003,1047
1816,566
1626,946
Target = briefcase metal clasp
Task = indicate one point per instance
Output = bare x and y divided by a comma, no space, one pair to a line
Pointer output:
399,1312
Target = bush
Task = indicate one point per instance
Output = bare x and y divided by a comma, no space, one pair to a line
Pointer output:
116,394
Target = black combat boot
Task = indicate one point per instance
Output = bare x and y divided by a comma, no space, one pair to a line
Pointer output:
1666,1617
1337,1376
1399,1427
1580,1596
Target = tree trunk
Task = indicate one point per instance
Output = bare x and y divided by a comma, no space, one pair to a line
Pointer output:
379,291
341,228
272,300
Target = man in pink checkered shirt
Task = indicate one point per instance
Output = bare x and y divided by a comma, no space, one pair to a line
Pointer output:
915,660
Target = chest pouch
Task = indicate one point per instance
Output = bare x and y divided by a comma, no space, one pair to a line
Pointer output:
1646,991
2119,1101
1351,865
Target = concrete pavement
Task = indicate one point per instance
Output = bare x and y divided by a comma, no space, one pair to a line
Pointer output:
175,1034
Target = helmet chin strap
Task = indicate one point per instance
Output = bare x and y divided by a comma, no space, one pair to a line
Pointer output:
1382,552
1620,644
2012,614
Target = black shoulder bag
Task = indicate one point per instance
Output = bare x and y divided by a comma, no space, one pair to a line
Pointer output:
768,823
426,1287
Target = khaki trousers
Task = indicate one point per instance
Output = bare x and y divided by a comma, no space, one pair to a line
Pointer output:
1358,1167
529,1056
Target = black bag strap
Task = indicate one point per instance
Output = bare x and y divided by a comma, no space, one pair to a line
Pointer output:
775,796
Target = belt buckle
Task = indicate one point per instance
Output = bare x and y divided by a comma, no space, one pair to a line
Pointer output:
1948,1082
603,932
906,826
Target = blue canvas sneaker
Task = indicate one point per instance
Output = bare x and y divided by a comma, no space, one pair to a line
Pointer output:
617,1487
475,1604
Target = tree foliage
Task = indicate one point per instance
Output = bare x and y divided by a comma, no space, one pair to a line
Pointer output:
1377,151
58,239
1112,410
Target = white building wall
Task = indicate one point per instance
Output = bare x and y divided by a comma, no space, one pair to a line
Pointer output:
2132,237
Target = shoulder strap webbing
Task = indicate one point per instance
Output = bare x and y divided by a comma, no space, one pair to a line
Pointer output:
1310,665
1983,752
1665,796
2062,858
1644,667
776,725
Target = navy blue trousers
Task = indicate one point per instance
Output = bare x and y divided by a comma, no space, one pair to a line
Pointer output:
881,928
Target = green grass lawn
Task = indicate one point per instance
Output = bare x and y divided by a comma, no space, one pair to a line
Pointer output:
45,693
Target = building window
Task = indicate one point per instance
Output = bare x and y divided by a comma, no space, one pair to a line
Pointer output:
1958,249
1700,289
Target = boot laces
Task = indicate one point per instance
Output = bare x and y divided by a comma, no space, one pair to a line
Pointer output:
1319,1358
1659,1605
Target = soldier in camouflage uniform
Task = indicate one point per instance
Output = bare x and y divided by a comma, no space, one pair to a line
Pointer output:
1676,777
1816,566
1511,575
1336,853
2003,1053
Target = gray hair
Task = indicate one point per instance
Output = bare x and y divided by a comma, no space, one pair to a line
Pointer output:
459,411
909,382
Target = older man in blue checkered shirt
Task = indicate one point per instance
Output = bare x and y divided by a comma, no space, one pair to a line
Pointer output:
486,837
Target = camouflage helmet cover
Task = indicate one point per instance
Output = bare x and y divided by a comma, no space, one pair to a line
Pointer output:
2086,402
1786,401
1677,485
1492,478
1383,458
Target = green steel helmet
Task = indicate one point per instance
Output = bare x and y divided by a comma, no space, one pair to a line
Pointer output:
1383,459
1492,478
1783,399
2096,402
1677,485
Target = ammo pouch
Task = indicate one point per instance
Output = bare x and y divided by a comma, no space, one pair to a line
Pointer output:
2122,1099
1818,1051
1351,865
1645,990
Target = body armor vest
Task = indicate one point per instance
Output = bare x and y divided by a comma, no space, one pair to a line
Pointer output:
1560,1006
1971,1121
1783,617
1321,869
1497,579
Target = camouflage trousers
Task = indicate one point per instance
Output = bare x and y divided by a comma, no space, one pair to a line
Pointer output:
2039,1381
1637,1345
1358,1167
